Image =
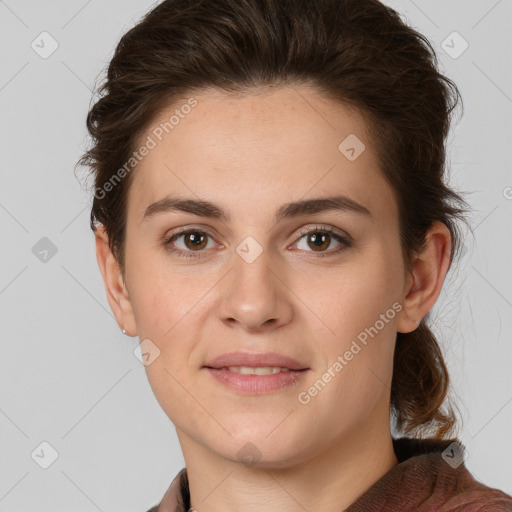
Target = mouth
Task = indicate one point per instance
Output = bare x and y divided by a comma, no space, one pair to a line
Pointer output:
255,363
258,370
256,381
256,374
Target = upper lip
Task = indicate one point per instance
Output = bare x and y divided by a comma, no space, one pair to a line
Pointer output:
255,360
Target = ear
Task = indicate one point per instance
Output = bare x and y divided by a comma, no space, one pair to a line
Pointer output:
117,293
424,283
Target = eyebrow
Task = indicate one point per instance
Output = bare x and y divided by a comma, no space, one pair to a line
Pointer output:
286,211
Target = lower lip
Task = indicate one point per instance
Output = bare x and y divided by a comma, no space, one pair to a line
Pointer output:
256,384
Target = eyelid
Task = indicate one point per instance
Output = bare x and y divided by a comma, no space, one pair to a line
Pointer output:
188,229
325,228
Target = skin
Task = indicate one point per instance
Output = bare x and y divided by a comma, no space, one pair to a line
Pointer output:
250,154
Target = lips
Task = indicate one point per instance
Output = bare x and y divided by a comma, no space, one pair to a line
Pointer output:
255,360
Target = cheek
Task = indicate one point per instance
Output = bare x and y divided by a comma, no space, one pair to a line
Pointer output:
356,313
162,295
350,298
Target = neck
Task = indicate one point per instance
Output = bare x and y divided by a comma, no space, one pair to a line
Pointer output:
330,481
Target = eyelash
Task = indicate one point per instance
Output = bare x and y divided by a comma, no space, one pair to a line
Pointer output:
345,243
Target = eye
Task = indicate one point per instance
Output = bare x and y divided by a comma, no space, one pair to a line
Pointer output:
194,241
320,238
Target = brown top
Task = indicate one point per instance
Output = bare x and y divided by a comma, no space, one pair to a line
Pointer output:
430,476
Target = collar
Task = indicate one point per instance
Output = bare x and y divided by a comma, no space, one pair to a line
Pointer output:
430,476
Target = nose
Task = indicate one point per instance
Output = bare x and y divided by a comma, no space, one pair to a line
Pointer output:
255,294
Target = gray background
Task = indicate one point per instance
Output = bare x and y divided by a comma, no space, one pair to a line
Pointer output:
69,377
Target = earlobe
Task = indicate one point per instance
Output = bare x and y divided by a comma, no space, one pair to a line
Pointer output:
117,293
424,284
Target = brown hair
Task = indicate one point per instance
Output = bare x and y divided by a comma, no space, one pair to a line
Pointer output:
358,52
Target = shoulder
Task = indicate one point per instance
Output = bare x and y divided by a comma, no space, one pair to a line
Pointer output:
474,496
454,487
431,476
176,498
478,498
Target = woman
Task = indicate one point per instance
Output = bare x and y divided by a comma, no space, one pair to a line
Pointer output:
272,221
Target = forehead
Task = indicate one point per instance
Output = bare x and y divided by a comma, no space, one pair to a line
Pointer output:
284,141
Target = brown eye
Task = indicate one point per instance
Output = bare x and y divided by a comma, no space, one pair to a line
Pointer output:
319,240
193,243
194,239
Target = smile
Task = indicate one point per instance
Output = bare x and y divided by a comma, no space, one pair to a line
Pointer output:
257,380
261,370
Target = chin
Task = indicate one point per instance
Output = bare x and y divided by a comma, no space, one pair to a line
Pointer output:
259,450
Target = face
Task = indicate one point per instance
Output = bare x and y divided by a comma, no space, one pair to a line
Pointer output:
312,282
